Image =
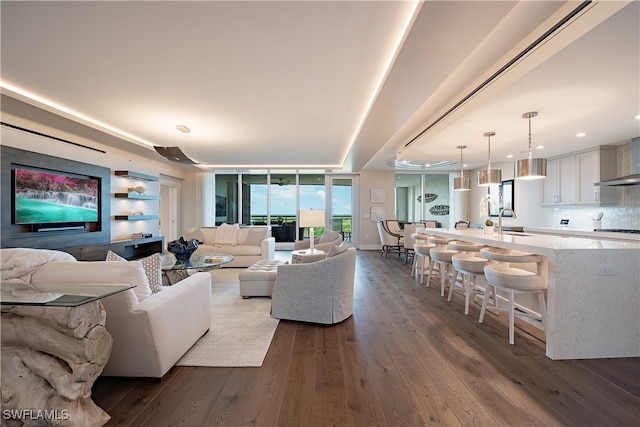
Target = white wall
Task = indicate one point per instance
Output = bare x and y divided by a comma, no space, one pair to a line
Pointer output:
369,238
114,158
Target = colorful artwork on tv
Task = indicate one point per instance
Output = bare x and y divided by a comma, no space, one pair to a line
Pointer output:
54,198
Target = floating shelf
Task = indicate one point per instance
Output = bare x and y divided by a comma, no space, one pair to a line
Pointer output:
135,196
136,175
135,217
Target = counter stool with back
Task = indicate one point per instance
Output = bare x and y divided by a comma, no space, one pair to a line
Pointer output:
514,280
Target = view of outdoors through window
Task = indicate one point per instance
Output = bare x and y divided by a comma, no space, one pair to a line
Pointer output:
277,203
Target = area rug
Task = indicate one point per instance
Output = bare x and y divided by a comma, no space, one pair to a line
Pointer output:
241,329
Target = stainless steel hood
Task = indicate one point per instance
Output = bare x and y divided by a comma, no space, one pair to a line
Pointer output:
622,180
634,178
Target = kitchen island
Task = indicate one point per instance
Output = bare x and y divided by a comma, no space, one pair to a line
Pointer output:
593,296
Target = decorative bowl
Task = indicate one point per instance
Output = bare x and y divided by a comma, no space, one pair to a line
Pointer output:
182,249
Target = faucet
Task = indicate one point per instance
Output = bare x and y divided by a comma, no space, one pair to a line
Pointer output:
513,213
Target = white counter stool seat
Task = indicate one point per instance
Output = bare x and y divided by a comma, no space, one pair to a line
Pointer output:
442,255
469,264
421,254
513,280
438,242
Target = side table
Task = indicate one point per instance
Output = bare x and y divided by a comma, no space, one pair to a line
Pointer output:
301,256
54,347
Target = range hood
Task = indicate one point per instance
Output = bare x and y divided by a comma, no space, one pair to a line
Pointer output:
634,178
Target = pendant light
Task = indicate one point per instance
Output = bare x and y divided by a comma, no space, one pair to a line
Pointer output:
463,183
530,168
488,176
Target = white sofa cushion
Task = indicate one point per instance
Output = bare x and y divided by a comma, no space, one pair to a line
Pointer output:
193,233
338,249
255,236
227,234
209,235
329,236
235,250
127,273
152,266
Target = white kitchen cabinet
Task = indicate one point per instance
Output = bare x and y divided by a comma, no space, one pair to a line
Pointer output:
559,187
595,166
570,178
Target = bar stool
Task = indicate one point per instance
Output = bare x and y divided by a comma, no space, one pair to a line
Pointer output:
513,280
469,264
438,242
441,255
421,253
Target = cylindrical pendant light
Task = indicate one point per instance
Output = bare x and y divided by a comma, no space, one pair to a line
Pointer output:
488,176
530,168
463,183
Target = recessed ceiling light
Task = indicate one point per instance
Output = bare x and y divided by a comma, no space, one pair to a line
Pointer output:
638,117
183,129
540,147
581,134
509,156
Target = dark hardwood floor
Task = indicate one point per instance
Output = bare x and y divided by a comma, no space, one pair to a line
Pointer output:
405,357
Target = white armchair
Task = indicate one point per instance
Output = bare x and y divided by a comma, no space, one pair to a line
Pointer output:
319,292
322,243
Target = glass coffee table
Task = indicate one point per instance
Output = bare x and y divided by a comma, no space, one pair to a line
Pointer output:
174,270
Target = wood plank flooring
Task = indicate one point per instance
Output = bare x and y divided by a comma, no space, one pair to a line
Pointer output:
406,357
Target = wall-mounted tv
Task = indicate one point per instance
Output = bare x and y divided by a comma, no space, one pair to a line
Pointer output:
53,198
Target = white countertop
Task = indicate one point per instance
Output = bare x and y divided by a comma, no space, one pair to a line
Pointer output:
542,244
593,294
598,235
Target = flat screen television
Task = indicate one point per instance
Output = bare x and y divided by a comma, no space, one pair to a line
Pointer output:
54,199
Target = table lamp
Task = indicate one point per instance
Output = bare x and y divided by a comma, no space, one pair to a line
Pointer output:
311,218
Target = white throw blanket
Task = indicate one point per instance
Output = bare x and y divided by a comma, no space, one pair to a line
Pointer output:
17,265
227,234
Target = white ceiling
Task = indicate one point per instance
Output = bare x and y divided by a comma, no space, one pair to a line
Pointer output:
291,84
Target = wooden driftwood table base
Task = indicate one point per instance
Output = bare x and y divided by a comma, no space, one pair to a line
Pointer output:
51,356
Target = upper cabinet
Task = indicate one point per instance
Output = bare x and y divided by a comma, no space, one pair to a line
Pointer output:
570,178
595,166
558,188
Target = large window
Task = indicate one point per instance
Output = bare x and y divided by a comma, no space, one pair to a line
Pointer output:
275,198
226,198
255,200
312,196
283,206
342,206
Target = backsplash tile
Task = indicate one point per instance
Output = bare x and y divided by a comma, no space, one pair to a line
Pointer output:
625,214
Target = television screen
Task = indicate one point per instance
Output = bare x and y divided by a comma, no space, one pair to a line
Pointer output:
47,197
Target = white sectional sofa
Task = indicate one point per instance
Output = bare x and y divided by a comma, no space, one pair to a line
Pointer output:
151,331
247,244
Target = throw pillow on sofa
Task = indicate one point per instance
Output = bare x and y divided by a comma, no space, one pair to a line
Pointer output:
193,233
152,267
227,234
256,236
209,235
329,236
337,249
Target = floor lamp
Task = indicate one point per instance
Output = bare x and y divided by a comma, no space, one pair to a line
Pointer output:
311,218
